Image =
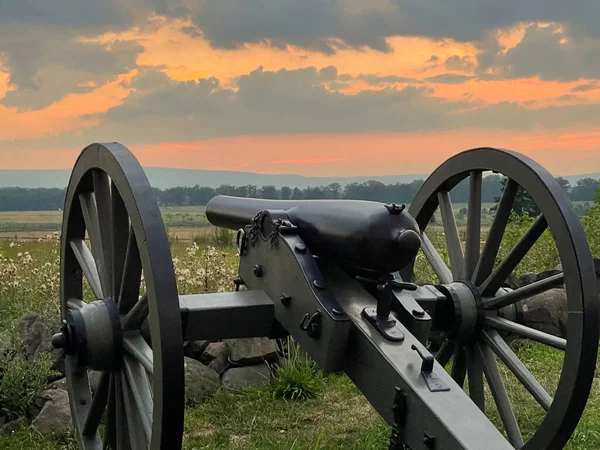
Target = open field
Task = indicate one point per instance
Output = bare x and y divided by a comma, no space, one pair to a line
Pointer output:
183,222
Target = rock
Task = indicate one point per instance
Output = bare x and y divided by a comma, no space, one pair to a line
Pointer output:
195,349
529,278
238,377
217,356
252,351
199,380
547,312
35,334
55,415
11,427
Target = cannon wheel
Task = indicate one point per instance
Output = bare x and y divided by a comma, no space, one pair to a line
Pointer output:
139,397
477,337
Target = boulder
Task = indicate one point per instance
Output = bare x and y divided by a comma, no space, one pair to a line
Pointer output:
55,415
238,377
35,334
195,349
199,380
547,312
217,356
252,351
11,427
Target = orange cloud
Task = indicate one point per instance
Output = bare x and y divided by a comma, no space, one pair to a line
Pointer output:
64,115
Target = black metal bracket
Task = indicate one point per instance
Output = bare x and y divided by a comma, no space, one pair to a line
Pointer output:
433,382
387,327
399,409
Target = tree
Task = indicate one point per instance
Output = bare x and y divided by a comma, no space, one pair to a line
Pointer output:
564,184
585,189
297,194
523,202
269,192
286,192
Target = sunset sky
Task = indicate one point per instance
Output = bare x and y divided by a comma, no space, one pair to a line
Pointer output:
313,87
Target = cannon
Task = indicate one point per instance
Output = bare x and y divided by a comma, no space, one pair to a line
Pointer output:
339,277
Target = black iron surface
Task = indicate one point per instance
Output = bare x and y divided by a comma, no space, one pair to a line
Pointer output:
362,234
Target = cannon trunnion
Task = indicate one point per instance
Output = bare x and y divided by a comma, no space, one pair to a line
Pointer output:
359,285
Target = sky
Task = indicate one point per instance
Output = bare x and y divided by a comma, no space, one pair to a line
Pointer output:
312,87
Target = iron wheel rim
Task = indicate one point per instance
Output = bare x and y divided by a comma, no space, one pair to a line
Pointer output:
135,242
579,362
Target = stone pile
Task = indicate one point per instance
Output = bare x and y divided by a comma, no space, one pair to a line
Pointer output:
231,364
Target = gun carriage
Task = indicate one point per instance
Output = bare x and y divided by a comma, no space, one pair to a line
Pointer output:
339,277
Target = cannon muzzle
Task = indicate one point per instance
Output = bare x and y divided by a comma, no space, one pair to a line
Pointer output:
362,234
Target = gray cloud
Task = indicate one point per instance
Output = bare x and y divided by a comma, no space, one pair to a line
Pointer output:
328,25
45,65
550,54
458,63
376,80
159,109
70,13
586,87
449,78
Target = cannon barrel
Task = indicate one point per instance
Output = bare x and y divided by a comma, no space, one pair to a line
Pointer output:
362,234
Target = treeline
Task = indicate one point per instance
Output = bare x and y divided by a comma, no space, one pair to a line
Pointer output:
42,199
584,190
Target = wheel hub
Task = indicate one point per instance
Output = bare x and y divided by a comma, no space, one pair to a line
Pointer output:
465,315
92,336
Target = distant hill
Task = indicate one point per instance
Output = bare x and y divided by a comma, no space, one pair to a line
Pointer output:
164,178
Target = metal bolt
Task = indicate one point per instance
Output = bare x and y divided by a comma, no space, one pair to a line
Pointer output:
300,247
429,440
418,312
285,300
393,208
258,271
317,284
337,312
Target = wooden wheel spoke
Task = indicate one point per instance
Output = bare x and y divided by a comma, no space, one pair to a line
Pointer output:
475,377
445,352
492,244
99,401
508,357
137,347
132,276
139,390
110,429
524,292
473,239
88,266
122,416
436,261
121,232
452,239
89,208
459,366
507,415
491,285
501,323
137,315
102,194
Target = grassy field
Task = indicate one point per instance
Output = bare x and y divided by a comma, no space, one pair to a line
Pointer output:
336,416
